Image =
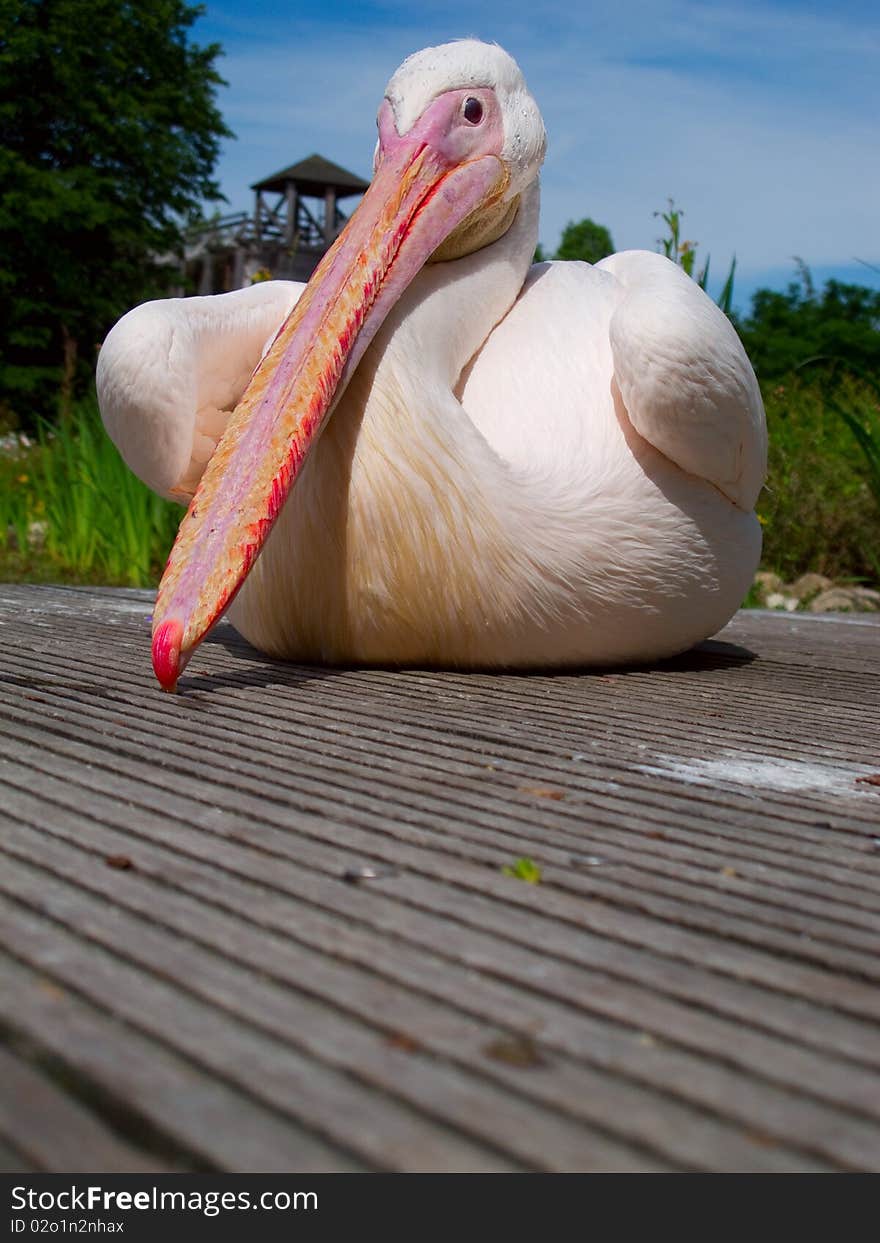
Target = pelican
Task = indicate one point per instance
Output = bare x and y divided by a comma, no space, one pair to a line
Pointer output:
436,452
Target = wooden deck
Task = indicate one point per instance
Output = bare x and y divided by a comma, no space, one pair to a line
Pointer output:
264,925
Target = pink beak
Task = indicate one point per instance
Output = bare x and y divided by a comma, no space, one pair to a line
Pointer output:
420,193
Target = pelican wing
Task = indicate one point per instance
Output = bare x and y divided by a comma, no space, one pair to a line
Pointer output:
684,377
170,372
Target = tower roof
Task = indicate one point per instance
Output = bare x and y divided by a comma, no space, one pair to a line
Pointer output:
312,176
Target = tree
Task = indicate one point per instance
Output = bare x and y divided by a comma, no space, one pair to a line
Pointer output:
840,325
585,240
109,134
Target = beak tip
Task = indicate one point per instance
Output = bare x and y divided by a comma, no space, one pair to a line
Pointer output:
167,664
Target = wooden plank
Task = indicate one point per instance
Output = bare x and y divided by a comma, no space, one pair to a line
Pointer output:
670,1070
565,908
274,1073
196,1119
54,1132
641,681
291,1024
691,792
12,1162
570,1088
637,786
423,930
703,996
280,869
623,871
461,801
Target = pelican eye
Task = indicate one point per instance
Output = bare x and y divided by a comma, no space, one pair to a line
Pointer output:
473,111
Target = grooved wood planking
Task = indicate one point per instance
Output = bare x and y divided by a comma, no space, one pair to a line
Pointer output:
265,924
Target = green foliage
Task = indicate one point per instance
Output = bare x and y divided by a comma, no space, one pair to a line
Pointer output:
98,522
108,138
524,869
585,240
824,494
866,430
785,330
684,253
725,298
17,509
820,510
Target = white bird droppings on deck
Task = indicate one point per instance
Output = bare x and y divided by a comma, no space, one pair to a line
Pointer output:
759,772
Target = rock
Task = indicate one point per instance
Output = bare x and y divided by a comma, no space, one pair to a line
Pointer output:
835,599
846,600
809,585
776,600
766,583
36,536
816,593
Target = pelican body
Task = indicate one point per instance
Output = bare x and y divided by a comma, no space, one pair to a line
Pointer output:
436,452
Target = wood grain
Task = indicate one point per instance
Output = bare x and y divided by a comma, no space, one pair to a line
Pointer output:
190,981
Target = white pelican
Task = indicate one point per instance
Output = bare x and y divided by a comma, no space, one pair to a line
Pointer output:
525,466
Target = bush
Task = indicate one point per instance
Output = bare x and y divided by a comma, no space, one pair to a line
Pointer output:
818,510
784,330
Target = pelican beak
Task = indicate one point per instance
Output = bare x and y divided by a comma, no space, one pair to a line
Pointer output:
420,193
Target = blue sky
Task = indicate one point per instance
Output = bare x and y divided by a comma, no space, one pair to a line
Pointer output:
760,117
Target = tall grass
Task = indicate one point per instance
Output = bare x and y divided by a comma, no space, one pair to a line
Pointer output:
866,431
16,506
97,521
821,507
862,418
864,423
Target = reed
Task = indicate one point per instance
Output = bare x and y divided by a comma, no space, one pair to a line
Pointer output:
72,502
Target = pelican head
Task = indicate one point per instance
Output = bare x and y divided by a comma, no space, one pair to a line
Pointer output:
460,138
483,94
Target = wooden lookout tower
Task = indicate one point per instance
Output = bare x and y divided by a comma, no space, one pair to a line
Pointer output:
296,219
